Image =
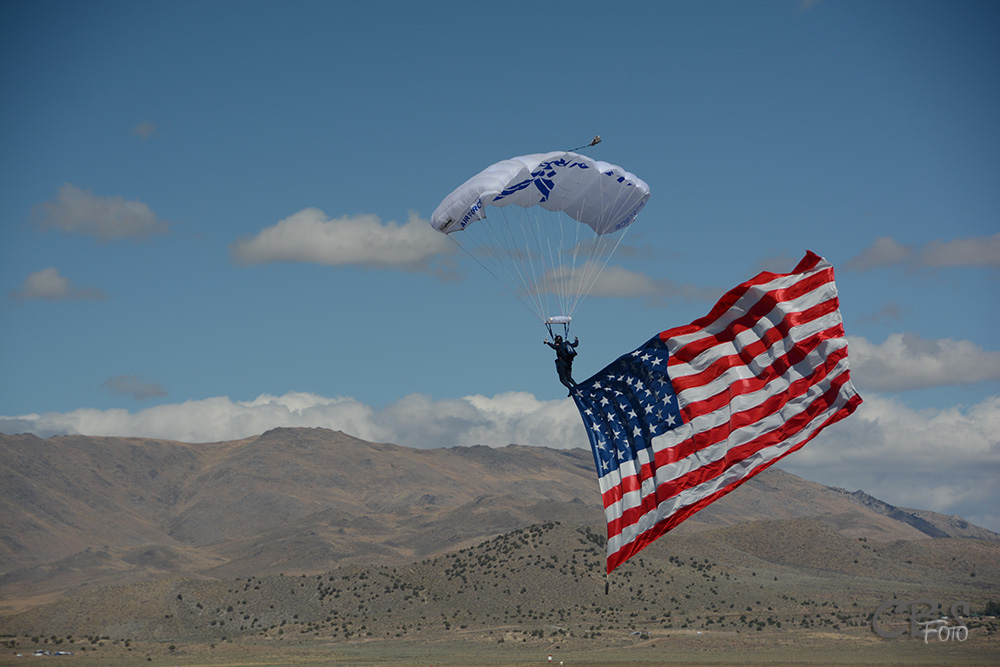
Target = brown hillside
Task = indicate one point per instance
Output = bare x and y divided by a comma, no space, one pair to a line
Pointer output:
545,584
81,511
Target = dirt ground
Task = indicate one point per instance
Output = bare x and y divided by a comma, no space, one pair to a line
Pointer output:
707,648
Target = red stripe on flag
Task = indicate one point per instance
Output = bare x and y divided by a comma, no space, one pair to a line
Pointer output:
764,305
678,517
770,351
719,434
730,298
698,441
776,370
777,332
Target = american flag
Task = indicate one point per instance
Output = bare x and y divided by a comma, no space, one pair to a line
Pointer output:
700,409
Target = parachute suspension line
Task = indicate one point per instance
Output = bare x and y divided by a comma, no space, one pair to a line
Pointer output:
565,277
545,280
577,276
539,278
487,250
594,268
512,253
490,271
500,245
587,248
526,244
600,266
582,275
525,248
541,253
559,284
563,272
540,256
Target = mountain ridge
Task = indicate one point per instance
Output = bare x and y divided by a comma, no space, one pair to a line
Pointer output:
79,511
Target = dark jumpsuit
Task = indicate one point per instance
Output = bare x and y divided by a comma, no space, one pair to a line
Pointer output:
564,361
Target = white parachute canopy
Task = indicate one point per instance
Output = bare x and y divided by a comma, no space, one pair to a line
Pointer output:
547,226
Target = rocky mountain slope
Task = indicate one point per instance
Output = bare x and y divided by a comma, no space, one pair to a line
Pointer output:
81,512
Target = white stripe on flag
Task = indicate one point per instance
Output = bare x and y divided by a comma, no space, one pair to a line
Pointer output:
755,380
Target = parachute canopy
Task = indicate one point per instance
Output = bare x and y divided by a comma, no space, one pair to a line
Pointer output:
554,221
603,196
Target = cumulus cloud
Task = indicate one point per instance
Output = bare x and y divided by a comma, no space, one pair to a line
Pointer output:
77,210
49,285
134,386
361,240
618,282
415,420
890,313
908,361
943,459
145,129
886,251
983,251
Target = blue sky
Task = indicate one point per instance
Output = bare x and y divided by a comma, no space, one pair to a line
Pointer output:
144,145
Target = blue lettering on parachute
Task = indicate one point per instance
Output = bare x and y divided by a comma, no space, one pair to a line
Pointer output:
630,218
541,178
471,214
620,179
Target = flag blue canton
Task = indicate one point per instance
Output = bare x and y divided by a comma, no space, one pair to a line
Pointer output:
626,405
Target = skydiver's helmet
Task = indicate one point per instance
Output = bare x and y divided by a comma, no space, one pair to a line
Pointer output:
558,338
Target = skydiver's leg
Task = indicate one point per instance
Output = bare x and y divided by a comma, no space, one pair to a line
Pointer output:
564,376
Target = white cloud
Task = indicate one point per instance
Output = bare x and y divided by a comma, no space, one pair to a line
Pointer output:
944,460
972,251
145,129
982,251
362,240
49,285
108,218
907,361
884,252
890,313
135,386
617,282
415,420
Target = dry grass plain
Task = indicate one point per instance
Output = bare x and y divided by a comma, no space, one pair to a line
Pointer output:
858,646
536,592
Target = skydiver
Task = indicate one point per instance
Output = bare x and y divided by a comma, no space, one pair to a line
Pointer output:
564,360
